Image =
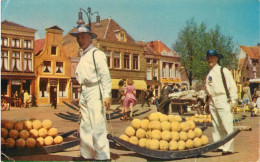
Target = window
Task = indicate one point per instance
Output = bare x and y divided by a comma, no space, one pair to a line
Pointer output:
155,73
62,88
4,61
170,70
53,50
116,60
27,64
16,43
164,70
43,87
154,61
27,44
126,61
4,42
108,58
149,73
46,66
148,61
59,67
16,61
120,35
135,62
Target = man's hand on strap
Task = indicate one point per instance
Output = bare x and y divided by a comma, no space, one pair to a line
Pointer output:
106,102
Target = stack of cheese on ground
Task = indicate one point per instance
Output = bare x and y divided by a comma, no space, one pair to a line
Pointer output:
200,118
164,132
29,133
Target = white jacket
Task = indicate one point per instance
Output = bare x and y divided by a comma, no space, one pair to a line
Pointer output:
86,73
215,86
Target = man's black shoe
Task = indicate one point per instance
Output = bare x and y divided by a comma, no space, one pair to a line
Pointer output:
227,153
81,158
217,150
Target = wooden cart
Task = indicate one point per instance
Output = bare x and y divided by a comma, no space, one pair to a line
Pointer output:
180,105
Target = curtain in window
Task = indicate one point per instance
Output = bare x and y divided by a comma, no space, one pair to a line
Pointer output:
13,42
5,42
149,77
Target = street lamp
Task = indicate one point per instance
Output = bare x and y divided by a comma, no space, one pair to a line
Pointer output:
89,14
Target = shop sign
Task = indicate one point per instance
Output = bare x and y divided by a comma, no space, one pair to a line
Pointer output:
16,82
170,80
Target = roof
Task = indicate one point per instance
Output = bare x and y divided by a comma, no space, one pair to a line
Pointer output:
106,30
38,46
55,27
147,49
252,52
160,47
9,23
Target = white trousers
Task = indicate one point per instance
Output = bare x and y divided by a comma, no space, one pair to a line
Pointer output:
222,116
93,134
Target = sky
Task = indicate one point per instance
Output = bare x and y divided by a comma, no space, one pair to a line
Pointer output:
144,20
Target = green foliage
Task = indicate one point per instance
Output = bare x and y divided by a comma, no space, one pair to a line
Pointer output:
193,42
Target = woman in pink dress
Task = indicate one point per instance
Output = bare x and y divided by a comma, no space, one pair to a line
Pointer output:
130,99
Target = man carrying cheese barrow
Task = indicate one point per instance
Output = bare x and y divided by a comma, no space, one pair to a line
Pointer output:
93,75
222,92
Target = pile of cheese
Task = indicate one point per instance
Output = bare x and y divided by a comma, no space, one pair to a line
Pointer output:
29,133
164,132
200,118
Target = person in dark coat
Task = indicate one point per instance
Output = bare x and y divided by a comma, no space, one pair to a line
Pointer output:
147,97
54,98
165,101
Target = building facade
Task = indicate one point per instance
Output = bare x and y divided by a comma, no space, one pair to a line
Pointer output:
17,59
169,65
125,58
52,68
249,63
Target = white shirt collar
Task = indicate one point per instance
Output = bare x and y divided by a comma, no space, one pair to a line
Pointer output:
89,48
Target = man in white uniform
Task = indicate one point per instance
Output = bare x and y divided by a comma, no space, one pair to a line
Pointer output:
93,75
219,104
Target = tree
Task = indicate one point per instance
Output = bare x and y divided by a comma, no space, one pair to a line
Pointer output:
193,42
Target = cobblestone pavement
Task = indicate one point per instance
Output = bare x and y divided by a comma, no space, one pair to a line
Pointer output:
246,142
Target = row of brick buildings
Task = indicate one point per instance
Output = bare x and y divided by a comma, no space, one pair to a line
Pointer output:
39,66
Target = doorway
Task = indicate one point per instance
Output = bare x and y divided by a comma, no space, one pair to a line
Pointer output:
52,93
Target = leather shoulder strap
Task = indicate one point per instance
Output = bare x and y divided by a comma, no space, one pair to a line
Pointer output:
97,73
225,83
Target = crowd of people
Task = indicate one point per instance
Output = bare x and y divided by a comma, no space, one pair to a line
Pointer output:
250,101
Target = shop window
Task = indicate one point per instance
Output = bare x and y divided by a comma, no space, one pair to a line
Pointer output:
16,43
114,93
4,84
154,61
46,66
149,73
4,42
116,60
126,61
148,61
53,50
4,61
76,93
16,61
27,64
63,88
43,87
59,67
135,62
